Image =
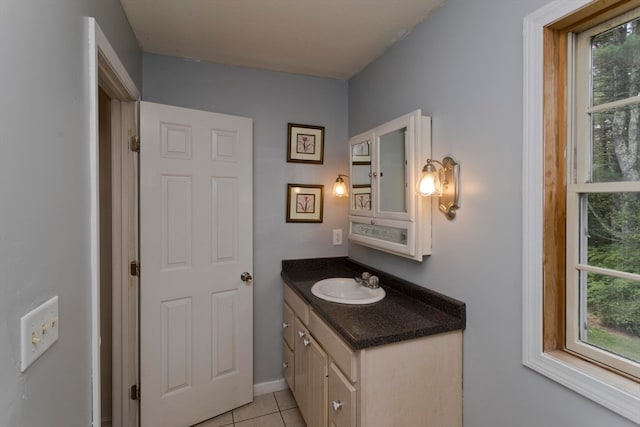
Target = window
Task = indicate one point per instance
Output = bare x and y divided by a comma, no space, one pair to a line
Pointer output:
581,199
603,196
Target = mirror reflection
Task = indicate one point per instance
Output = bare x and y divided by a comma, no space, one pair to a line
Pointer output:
361,175
393,171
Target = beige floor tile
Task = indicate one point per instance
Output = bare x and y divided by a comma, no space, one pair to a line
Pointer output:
293,418
285,399
261,405
225,419
271,420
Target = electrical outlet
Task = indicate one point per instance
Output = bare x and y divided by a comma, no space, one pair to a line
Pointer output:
337,236
38,331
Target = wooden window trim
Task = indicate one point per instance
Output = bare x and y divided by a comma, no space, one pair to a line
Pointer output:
555,183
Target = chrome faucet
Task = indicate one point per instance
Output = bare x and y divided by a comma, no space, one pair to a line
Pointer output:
368,280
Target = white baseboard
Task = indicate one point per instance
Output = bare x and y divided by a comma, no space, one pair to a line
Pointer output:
269,387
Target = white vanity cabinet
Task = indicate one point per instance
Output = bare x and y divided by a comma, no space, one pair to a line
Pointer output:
417,382
384,211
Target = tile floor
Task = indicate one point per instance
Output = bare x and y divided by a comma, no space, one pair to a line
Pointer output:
277,409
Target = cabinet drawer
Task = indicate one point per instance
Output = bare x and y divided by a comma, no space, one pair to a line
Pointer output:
288,367
342,399
300,308
340,352
287,325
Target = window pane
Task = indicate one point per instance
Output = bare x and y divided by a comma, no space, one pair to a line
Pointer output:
615,65
615,145
613,231
612,317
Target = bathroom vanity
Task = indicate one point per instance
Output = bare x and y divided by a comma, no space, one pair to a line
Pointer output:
396,362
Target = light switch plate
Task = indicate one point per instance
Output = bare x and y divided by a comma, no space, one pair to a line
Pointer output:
337,236
38,331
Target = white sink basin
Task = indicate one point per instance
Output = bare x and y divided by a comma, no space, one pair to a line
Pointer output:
345,290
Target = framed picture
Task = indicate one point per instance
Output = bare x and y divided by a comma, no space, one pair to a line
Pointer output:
306,144
361,196
304,203
360,154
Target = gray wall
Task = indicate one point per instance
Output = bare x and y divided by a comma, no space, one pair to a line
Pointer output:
44,200
272,100
115,25
464,68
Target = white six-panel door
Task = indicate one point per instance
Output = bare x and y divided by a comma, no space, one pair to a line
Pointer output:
196,315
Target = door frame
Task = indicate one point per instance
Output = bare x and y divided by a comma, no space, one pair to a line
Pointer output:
107,71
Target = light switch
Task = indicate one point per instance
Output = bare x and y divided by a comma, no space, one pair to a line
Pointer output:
38,331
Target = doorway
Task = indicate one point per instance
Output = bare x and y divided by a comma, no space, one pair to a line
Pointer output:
114,235
106,266
224,351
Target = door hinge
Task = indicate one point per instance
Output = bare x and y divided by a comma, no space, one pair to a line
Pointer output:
135,268
134,392
134,143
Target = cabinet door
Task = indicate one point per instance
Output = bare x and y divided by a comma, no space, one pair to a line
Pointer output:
394,173
361,198
342,399
310,379
287,325
288,366
300,366
317,386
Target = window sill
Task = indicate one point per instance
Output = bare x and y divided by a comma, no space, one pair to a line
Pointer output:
618,393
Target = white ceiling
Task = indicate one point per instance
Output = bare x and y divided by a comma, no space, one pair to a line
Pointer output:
326,38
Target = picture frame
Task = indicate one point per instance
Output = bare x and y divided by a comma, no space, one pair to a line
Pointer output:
361,197
305,202
305,144
360,154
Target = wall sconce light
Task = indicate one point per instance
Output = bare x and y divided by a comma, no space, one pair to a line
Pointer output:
340,188
443,182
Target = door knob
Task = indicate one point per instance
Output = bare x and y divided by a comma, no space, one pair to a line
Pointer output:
246,277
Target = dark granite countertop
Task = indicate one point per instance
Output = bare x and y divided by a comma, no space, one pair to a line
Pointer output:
407,311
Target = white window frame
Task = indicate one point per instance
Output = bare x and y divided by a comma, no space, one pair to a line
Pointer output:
619,395
578,185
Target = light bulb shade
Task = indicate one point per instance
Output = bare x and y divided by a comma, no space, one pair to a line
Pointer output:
340,188
429,183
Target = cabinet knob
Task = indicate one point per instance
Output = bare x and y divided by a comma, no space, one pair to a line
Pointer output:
306,342
285,325
285,365
336,405
301,334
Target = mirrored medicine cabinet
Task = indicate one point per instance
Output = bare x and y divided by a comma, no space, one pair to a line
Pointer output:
384,211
